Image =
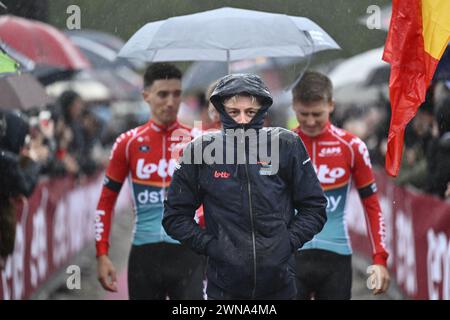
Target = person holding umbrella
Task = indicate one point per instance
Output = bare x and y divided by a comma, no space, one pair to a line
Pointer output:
158,266
251,230
324,268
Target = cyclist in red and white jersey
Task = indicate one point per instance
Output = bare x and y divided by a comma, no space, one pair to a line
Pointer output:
340,158
158,266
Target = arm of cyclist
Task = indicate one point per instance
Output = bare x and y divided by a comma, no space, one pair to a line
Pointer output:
365,184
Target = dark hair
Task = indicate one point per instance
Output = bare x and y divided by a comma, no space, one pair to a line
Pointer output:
428,106
313,87
443,115
65,100
160,71
13,129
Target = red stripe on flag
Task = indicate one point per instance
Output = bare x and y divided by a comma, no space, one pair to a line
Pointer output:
412,69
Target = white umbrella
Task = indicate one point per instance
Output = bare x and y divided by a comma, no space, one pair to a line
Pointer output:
89,90
360,81
227,34
358,69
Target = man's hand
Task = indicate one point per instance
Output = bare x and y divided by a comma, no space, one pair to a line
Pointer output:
379,278
106,273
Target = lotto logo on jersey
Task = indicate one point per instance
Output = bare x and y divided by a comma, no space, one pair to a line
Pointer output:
362,150
99,226
329,175
330,151
163,168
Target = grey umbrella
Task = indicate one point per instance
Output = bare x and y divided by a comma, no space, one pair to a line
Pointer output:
201,74
101,49
22,92
227,34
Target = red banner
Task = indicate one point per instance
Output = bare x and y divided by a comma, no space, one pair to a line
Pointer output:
417,238
53,225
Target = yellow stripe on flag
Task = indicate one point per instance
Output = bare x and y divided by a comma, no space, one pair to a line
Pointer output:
436,26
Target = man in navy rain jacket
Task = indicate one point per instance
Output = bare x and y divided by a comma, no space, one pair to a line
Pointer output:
261,197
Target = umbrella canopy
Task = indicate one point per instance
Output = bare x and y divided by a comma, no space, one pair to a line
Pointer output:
22,92
101,49
89,90
361,80
24,64
120,86
227,34
7,64
41,43
201,74
361,69
100,56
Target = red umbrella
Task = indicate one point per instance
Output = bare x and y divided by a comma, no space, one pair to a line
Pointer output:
41,42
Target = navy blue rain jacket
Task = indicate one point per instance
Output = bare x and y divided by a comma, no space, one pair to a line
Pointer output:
252,230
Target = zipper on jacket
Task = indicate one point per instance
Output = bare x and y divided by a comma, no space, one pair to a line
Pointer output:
163,179
249,189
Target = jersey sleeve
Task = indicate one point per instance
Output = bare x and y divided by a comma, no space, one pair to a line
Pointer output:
116,173
366,186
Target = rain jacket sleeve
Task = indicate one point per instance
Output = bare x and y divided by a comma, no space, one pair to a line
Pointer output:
308,197
183,199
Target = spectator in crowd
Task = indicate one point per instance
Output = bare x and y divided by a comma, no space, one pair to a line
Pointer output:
73,108
438,155
91,130
418,135
18,174
64,162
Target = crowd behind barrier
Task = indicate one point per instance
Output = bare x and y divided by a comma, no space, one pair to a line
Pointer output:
426,156
417,238
53,225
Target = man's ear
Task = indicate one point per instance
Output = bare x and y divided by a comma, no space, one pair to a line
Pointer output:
331,105
145,94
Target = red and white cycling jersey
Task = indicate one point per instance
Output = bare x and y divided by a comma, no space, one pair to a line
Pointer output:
340,157
146,156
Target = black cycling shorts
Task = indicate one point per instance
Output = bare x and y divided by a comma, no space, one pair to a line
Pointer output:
323,275
159,271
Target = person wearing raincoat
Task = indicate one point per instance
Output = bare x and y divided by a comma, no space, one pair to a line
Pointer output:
251,229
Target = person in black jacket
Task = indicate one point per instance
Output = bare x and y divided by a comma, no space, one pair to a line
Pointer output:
250,201
18,175
438,153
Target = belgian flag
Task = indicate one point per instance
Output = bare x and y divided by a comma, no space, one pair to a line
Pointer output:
419,32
